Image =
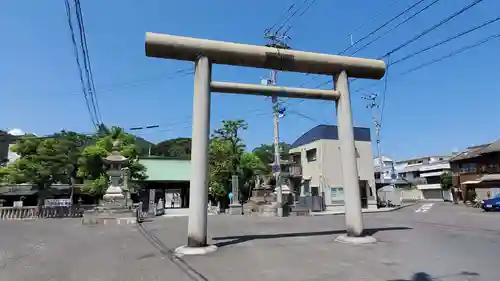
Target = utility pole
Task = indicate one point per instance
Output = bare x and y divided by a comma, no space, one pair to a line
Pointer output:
374,105
277,40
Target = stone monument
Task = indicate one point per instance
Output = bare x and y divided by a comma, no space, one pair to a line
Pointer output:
235,207
113,204
262,200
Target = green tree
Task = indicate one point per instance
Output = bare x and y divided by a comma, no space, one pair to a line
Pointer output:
251,165
91,166
70,146
446,180
41,163
225,151
265,152
230,133
219,167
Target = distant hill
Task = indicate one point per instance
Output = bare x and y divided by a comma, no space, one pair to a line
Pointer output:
143,146
178,148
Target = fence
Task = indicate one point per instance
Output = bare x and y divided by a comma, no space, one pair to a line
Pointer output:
33,212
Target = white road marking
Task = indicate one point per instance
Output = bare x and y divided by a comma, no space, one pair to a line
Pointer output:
424,208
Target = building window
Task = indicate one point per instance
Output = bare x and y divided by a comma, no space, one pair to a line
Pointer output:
311,155
468,168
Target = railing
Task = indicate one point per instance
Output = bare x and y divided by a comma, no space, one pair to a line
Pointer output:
294,170
33,212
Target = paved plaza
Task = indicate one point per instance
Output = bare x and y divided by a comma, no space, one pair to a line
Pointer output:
444,242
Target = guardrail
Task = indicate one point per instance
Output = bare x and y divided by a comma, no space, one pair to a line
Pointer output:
33,212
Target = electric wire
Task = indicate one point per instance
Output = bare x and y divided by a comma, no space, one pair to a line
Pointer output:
80,71
395,27
432,28
386,8
299,8
140,82
452,16
452,54
88,66
439,59
449,39
380,27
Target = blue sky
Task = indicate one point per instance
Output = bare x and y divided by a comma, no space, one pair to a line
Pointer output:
446,106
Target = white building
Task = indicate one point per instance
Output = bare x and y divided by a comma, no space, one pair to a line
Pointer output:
423,174
7,140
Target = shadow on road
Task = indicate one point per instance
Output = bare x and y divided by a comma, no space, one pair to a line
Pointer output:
190,271
422,276
244,238
419,276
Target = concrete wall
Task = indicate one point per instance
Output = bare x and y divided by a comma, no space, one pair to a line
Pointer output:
411,194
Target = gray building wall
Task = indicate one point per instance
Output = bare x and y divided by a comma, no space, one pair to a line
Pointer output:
326,172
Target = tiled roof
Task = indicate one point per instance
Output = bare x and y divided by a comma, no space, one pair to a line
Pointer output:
470,153
329,132
493,147
164,169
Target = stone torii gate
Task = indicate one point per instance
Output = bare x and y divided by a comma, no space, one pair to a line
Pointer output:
206,52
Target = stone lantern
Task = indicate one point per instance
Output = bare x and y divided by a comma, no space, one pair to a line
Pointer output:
112,206
115,161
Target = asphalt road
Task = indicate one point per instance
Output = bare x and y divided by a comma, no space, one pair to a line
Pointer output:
440,241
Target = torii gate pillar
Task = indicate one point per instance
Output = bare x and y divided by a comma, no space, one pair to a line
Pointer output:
204,53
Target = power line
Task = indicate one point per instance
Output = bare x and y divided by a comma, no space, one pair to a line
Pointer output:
304,116
301,14
386,8
421,34
76,54
452,54
452,16
86,60
86,56
279,20
447,40
382,26
299,8
352,32
384,94
449,55
135,83
396,26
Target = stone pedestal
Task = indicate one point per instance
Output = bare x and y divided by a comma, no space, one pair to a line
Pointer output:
110,210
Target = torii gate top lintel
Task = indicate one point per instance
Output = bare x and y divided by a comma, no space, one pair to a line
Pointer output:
220,52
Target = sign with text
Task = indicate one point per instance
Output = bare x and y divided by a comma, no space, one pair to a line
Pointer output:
337,193
57,202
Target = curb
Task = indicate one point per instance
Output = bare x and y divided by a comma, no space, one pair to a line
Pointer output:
366,212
